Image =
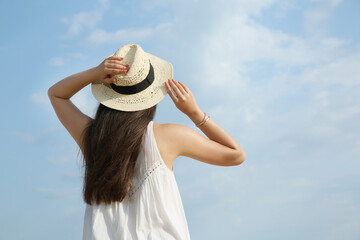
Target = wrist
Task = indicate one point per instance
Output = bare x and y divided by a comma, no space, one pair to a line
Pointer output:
96,73
196,116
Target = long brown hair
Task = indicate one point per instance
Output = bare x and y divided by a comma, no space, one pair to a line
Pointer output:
111,145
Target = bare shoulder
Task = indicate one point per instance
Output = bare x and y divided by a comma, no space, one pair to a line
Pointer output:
174,135
167,139
169,129
173,138
170,138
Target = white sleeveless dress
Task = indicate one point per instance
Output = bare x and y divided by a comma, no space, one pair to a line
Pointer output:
153,208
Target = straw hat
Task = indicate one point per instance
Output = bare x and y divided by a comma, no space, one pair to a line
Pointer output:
142,87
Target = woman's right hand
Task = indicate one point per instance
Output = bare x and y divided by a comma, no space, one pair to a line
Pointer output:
182,97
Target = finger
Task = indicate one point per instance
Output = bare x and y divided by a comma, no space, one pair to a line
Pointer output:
115,58
109,80
116,65
185,87
116,62
120,71
176,89
115,71
182,90
170,92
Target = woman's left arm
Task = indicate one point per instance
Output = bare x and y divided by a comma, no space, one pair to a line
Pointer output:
60,93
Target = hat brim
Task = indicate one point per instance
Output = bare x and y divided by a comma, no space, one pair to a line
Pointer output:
147,98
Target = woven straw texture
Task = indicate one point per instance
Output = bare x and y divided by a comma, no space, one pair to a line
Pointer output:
138,61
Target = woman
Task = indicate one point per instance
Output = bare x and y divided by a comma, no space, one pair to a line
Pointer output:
129,184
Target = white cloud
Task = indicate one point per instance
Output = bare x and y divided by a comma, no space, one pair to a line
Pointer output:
24,136
301,182
56,61
328,2
124,35
218,8
241,8
249,7
29,137
104,4
80,21
237,40
305,106
341,70
315,19
233,43
84,20
61,60
38,98
252,115
99,36
317,15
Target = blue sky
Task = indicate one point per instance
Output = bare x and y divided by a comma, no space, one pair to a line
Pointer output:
282,76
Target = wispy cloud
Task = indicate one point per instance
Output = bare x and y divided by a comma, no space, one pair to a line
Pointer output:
80,21
343,70
56,61
31,137
25,136
84,20
320,63
317,15
99,36
38,98
82,99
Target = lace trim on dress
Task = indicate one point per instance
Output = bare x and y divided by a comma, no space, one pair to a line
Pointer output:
147,173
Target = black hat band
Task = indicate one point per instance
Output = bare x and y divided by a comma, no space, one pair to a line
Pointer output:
141,86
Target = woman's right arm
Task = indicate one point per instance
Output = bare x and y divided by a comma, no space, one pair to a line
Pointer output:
220,149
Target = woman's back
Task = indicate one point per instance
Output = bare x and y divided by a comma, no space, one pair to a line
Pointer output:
152,209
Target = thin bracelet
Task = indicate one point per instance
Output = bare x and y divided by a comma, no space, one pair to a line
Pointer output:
201,120
208,117
204,120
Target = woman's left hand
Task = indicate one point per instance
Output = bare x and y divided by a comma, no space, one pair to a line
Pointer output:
111,66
